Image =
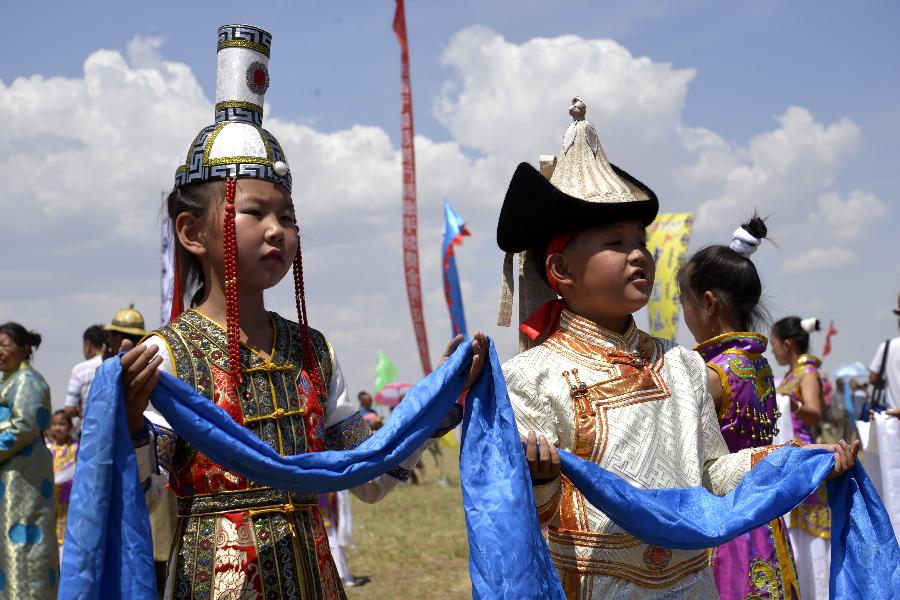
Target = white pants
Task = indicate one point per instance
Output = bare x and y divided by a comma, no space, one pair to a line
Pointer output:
813,557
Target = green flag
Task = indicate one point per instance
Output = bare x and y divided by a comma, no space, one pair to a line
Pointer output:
385,372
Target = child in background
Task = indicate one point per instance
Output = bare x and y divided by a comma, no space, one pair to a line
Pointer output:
720,296
597,386
64,449
811,521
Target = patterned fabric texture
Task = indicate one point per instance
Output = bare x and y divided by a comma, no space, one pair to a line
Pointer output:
29,560
638,407
759,563
813,515
235,538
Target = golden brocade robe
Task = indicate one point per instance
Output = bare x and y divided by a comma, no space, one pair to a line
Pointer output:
637,406
235,538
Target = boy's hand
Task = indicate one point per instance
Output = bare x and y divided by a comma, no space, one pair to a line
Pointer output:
844,456
543,462
140,372
479,356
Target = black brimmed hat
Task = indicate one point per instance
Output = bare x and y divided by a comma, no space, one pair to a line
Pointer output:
572,191
577,189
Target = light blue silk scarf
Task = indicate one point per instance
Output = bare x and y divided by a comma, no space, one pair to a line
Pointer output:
108,552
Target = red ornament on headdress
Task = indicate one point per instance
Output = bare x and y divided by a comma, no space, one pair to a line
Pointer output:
232,313
315,414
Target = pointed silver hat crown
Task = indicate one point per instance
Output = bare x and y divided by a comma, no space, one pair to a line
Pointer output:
582,170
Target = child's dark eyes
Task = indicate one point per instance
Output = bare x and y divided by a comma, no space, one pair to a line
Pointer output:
253,212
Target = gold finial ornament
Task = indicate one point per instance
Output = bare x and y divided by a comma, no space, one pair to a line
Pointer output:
127,321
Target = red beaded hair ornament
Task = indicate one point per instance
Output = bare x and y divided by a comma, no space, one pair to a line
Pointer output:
232,319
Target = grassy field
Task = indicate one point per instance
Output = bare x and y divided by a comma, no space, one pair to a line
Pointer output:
413,543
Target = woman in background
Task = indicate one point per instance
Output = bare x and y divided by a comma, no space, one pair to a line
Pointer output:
29,559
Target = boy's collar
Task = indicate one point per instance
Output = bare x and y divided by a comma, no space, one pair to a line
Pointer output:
590,331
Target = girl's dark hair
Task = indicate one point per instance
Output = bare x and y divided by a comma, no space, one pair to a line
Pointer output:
62,413
731,277
21,336
196,199
95,335
791,328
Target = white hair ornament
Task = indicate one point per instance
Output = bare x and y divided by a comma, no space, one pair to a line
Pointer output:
743,242
810,325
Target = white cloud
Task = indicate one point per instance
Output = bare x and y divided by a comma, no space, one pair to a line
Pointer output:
821,259
780,172
84,160
848,219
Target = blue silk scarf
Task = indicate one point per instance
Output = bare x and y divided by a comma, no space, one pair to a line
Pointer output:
108,548
509,559
108,551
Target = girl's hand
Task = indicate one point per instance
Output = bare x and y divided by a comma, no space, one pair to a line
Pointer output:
479,356
844,456
140,372
543,462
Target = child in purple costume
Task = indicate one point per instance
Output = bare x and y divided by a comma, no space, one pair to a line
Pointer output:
720,293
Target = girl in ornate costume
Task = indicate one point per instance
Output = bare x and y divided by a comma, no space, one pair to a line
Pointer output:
597,386
811,520
720,294
64,449
279,379
29,560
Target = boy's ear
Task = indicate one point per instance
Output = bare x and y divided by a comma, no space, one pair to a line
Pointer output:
191,233
559,270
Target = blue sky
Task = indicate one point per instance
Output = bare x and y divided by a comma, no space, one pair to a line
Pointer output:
336,65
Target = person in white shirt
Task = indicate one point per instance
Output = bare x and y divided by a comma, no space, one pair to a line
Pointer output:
93,344
891,369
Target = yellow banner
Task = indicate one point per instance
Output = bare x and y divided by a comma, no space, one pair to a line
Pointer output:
667,239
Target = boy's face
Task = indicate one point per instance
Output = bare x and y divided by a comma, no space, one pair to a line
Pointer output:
611,270
265,232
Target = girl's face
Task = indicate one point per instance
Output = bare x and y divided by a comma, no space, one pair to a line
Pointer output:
11,353
59,428
610,272
693,318
781,349
265,230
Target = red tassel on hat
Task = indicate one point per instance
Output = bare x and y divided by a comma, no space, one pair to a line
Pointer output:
314,413
232,313
177,292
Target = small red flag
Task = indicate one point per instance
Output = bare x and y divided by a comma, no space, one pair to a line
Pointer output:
831,331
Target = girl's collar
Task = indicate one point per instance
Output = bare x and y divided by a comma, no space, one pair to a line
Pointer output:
808,359
251,350
749,341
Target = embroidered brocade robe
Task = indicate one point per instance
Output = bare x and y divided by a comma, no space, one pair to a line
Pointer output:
639,407
29,559
758,564
235,538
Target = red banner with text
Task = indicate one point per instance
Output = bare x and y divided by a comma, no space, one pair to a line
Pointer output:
410,212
